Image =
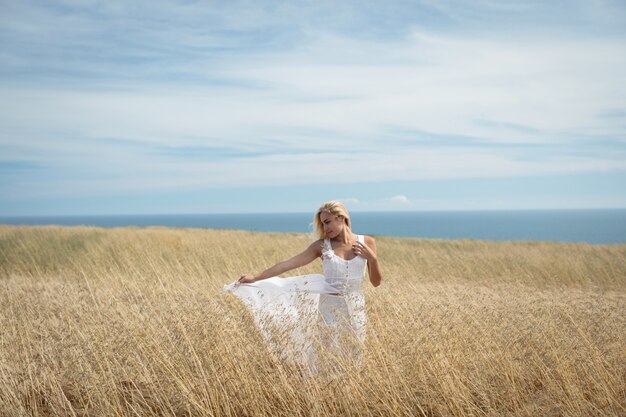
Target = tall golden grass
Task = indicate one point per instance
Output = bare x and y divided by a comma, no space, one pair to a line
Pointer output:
131,322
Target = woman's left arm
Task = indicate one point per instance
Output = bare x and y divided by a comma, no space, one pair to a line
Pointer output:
368,251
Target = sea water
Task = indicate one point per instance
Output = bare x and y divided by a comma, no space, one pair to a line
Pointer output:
590,226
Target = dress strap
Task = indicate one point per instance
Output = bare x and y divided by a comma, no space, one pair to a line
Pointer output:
361,238
328,245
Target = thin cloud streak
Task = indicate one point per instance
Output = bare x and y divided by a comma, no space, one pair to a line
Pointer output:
121,171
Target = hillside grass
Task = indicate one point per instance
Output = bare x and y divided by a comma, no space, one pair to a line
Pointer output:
131,322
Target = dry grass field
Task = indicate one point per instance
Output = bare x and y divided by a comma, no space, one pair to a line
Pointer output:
131,322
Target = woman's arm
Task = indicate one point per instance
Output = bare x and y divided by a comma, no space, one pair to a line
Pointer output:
368,251
309,255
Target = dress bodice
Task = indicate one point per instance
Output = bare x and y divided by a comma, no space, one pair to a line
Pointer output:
345,275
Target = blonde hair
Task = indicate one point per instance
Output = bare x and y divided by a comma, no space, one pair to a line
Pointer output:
333,207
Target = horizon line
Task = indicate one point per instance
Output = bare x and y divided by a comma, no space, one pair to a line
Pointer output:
3,216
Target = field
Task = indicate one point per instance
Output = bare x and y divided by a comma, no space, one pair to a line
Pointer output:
131,322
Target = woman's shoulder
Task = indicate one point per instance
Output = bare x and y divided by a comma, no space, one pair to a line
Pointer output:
369,240
318,246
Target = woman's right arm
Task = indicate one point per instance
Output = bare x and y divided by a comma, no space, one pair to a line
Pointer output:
309,255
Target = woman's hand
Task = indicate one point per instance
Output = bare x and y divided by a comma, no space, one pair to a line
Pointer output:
245,279
363,251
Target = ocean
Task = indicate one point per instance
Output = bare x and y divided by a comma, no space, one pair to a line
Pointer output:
597,226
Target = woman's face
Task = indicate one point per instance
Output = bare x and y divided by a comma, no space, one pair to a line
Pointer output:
333,225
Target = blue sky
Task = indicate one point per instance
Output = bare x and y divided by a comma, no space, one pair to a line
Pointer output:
199,107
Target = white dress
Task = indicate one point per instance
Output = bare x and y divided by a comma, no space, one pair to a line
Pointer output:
317,321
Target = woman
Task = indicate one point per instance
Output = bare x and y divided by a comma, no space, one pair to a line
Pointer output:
299,314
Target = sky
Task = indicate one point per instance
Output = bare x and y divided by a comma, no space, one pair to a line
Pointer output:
154,107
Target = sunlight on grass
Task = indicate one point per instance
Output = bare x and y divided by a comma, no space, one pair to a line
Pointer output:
131,321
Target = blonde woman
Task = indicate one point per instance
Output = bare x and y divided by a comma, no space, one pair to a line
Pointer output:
309,311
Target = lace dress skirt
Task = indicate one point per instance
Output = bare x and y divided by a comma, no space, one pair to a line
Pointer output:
307,321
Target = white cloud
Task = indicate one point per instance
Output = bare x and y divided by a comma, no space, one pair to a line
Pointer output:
399,199
442,84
